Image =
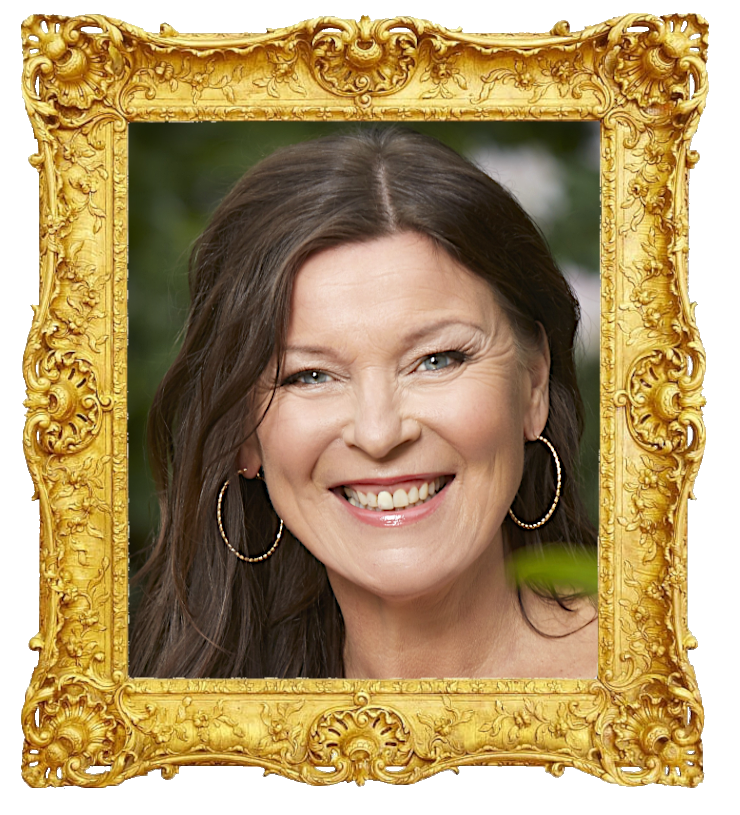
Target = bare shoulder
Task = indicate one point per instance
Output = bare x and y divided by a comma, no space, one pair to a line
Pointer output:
562,642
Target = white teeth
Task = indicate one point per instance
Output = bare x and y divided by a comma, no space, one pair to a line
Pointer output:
385,500
400,499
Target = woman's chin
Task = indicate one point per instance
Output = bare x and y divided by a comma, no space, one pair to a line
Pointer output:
404,556
399,579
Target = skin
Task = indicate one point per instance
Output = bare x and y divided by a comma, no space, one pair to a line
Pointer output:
399,362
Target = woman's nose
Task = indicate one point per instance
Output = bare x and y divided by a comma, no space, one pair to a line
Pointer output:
380,421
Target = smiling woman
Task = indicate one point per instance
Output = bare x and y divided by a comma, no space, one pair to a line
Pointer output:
374,406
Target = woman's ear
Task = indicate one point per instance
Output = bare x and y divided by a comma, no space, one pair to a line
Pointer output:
249,458
538,383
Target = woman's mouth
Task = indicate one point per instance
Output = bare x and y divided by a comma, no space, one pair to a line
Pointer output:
403,495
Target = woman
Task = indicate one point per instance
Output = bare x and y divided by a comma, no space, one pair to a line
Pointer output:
374,407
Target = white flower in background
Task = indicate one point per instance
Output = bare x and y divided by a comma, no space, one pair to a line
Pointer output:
533,175
537,180
587,287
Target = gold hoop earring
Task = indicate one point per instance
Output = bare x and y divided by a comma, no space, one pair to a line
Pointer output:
546,517
246,559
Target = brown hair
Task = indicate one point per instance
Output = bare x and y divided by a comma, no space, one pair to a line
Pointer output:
204,612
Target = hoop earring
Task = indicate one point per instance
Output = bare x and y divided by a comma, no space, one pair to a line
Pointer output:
246,559
546,517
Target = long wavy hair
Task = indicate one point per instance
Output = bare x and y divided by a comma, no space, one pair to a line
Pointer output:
204,613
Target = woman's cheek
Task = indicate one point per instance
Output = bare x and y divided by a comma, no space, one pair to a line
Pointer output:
480,420
293,436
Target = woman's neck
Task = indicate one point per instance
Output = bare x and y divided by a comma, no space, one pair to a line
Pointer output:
469,628
476,627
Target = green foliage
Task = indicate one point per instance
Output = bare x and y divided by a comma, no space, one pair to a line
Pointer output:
556,565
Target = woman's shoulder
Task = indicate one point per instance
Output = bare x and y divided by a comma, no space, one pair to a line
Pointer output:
562,639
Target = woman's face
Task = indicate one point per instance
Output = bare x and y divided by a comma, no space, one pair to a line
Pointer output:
402,386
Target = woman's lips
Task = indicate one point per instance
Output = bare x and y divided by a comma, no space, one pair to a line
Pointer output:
396,495
407,503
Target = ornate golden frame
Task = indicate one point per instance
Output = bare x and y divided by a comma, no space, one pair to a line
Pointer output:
86,721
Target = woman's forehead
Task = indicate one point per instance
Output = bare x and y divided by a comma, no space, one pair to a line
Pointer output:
398,282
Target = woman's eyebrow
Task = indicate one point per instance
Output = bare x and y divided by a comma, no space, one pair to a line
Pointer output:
438,326
413,336
326,351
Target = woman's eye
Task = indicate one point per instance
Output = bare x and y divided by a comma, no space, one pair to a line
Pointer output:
436,362
308,378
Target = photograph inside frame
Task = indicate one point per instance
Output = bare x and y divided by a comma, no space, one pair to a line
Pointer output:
288,367
421,517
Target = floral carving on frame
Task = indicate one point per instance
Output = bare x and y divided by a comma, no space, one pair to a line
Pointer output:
643,78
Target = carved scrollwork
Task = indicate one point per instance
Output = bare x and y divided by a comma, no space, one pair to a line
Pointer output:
361,742
656,736
283,73
65,406
446,739
67,64
365,59
443,74
652,491
284,732
653,66
536,75
71,726
664,401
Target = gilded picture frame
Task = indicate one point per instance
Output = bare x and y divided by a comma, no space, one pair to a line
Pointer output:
86,721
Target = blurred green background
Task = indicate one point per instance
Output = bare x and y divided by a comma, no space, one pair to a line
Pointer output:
178,173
